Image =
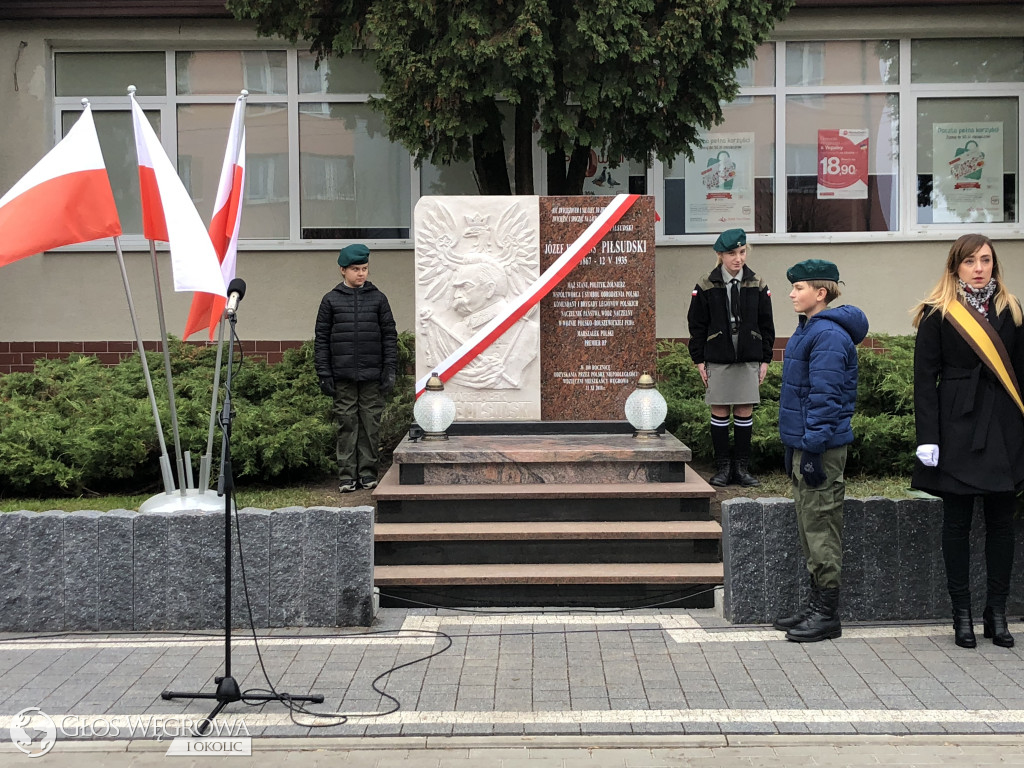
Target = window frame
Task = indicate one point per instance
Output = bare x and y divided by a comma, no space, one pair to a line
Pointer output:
908,94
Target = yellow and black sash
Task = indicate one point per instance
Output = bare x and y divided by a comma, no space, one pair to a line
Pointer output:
984,340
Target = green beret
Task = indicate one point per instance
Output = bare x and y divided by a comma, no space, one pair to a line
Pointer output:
357,253
813,269
730,240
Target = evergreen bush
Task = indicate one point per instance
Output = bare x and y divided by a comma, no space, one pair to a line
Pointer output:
883,424
74,426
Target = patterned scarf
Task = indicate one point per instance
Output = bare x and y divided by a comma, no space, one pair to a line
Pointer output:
978,297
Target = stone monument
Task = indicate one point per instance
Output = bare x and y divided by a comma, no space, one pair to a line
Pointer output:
575,356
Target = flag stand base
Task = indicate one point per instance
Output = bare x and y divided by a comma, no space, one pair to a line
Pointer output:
192,499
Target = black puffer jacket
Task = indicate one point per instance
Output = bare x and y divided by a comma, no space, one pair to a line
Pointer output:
355,337
708,320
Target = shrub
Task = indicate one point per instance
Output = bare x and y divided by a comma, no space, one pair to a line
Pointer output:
75,425
883,425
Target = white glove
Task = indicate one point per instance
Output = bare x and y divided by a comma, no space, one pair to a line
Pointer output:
928,454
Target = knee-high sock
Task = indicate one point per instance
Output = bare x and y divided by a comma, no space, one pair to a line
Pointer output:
720,437
742,427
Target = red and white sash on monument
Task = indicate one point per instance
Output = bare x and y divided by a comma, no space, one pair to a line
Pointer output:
527,300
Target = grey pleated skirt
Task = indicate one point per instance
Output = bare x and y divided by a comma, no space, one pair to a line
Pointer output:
732,384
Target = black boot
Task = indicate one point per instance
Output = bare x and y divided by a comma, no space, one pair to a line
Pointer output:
785,623
995,627
741,474
723,473
823,623
963,628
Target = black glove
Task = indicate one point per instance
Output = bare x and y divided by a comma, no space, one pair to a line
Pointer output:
327,385
811,469
787,462
387,381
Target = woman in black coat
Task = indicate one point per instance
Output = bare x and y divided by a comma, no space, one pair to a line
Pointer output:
970,430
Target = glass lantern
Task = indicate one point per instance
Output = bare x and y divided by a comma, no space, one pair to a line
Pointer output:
434,411
646,408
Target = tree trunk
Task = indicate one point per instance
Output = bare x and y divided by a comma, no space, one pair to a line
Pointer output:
567,179
489,157
525,113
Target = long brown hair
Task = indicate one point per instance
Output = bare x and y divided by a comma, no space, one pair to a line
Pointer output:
947,290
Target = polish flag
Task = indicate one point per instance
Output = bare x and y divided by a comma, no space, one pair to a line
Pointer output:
64,199
207,308
168,214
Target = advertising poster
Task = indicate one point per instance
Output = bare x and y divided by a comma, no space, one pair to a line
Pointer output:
720,184
967,180
602,179
843,164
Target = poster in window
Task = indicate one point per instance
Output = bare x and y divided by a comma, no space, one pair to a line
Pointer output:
967,168
602,179
843,164
720,184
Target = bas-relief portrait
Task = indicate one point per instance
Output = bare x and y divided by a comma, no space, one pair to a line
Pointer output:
474,255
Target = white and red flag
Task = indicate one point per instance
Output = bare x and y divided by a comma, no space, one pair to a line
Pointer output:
168,214
64,199
207,308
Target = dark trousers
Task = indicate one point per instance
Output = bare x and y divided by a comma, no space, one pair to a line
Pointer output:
957,512
358,406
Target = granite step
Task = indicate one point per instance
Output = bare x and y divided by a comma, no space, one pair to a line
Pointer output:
541,531
664,574
542,502
694,487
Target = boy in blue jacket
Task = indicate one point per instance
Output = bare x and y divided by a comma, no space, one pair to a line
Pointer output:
819,392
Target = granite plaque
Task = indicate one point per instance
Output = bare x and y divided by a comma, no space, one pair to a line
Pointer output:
473,256
598,324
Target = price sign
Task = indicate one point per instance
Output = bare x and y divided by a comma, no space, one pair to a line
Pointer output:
843,164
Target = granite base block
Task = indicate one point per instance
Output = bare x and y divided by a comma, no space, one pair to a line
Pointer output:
892,561
123,570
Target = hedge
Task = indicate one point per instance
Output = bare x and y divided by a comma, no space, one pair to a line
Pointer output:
883,424
74,426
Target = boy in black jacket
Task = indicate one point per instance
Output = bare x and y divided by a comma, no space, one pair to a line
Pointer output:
356,356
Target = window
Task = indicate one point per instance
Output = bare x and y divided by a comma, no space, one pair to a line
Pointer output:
838,107
729,183
319,164
811,148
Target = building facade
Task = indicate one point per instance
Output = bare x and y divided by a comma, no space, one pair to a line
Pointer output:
869,133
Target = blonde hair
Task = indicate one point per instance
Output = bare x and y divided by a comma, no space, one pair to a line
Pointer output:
947,290
831,287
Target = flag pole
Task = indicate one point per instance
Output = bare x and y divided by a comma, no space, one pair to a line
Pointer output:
179,461
165,463
206,461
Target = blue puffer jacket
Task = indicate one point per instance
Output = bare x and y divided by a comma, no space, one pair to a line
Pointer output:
819,380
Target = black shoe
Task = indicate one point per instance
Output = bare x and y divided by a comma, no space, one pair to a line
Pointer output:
367,482
742,476
823,623
784,623
347,486
723,474
995,627
963,628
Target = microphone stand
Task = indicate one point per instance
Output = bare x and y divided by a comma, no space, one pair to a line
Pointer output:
227,687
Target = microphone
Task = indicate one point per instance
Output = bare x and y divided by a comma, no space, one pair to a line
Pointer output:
236,290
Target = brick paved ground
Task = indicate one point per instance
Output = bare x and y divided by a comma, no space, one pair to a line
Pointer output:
659,685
